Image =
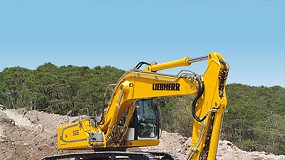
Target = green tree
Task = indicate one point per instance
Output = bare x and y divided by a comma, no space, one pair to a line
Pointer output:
12,84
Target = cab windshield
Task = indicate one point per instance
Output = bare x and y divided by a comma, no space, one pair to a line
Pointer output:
148,121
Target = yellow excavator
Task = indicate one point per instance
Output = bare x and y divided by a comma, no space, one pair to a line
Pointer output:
131,118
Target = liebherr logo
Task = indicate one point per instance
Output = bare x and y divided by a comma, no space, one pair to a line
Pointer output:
166,86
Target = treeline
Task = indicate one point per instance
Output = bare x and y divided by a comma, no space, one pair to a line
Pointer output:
255,117
56,89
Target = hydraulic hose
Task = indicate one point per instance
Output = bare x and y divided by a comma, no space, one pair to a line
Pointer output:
102,115
138,66
201,89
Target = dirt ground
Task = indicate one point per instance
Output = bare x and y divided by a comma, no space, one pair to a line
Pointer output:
29,135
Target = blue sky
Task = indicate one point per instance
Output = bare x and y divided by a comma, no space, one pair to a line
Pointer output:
249,34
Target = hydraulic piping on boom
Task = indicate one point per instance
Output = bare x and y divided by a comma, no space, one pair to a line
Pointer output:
131,118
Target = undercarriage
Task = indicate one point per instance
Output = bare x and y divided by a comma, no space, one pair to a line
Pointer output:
114,155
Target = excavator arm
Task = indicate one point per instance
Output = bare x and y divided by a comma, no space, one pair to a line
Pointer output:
207,108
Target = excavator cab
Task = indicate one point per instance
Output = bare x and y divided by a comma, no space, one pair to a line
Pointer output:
145,122
148,119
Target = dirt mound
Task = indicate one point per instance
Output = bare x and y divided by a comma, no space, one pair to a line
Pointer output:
28,134
175,143
32,135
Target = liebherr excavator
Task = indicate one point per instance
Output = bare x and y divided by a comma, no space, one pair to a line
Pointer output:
131,118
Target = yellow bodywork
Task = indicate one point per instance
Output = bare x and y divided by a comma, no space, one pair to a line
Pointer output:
142,84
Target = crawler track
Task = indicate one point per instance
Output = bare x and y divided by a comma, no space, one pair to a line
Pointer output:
115,155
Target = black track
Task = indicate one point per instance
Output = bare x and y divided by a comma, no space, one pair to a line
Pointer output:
114,155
